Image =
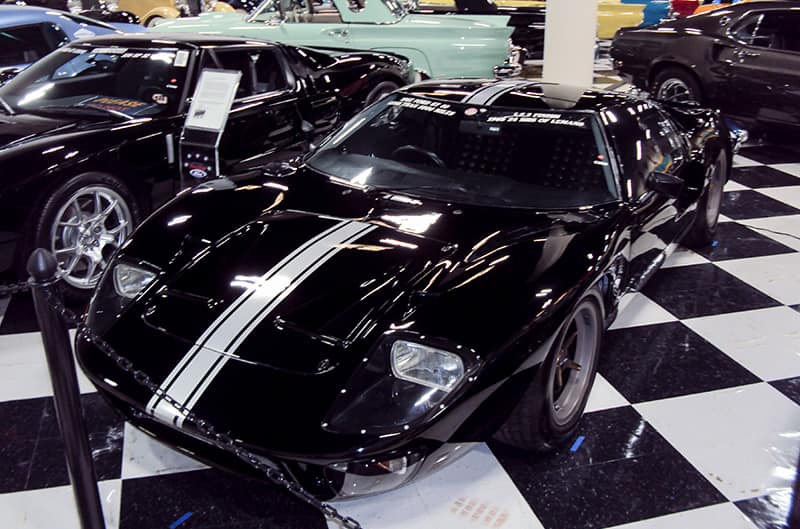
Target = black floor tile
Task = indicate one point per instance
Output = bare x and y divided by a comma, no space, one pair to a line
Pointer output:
789,387
216,500
667,360
609,480
31,449
772,511
763,176
771,154
703,290
734,241
739,205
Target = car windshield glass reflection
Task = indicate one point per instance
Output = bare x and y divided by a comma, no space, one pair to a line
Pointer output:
473,154
121,82
299,11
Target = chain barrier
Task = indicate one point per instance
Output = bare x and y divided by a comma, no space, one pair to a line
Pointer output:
216,438
8,289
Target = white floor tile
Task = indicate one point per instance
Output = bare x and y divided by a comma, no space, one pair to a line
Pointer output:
741,161
683,257
735,186
723,515
474,491
767,342
778,276
744,440
787,195
791,168
54,508
144,456
638,310
23,368
783,229
604,396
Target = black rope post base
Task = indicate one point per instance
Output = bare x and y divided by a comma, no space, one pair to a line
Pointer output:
42,267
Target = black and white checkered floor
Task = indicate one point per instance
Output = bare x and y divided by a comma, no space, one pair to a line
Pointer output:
694,421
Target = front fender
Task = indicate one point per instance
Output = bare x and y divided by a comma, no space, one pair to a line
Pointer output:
160,12
223,7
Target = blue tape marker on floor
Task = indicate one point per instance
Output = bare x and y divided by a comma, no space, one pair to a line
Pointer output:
180,520
577,444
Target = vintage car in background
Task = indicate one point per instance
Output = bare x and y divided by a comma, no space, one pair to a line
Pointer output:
437,46
611,15
440,271
742,59
151,12
89,134
28,33
102,10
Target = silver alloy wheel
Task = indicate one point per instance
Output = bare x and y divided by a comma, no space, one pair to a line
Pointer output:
674,89
573,366
714,200
88,227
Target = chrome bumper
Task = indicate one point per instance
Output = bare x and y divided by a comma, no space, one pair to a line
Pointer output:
511,67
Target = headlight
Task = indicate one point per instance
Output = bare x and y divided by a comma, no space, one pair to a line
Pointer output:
130,281
426,365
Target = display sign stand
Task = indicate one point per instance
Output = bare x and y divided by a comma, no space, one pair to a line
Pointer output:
205,123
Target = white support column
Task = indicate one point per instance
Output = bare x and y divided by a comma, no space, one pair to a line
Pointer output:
569,40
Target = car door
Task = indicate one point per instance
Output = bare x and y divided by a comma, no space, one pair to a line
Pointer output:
292,21
657,219
264,123
318,100
763,67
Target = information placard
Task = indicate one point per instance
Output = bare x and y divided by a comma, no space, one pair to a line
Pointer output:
212,100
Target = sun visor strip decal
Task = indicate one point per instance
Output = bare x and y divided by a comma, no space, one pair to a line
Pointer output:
194,374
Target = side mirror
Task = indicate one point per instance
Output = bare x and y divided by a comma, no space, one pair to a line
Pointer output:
665,183
278,170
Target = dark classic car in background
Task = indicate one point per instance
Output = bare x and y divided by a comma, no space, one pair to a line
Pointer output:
29,33
88,135
439,271
743,59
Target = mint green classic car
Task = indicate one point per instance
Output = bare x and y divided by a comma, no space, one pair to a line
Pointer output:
437,46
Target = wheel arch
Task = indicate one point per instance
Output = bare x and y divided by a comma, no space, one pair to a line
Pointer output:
665,64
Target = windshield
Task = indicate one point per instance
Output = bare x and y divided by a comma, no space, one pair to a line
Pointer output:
472,154
82,78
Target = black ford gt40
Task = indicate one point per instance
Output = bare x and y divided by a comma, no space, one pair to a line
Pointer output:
89,135
440,271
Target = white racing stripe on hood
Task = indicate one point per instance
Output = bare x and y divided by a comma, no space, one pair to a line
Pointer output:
196,371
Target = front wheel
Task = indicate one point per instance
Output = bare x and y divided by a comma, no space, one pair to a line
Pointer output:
153,21
704,227
379,91
83,222
551,408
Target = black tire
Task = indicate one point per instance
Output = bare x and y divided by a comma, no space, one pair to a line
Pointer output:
41,226
704,227
673,78
534,425
379,91
152,21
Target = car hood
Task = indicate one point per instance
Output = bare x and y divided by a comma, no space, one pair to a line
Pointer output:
20,128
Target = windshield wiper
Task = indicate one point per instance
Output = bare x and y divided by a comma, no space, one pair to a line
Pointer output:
84,110
7,107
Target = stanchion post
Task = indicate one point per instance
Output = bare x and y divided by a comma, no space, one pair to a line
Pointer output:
42,266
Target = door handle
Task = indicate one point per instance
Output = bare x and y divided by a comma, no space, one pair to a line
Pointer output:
338,33
745,53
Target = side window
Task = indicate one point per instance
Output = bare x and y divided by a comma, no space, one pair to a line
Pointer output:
27,44
657,146
778,30
745,31
262,72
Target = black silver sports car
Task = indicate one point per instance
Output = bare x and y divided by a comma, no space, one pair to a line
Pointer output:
441,270
89,134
